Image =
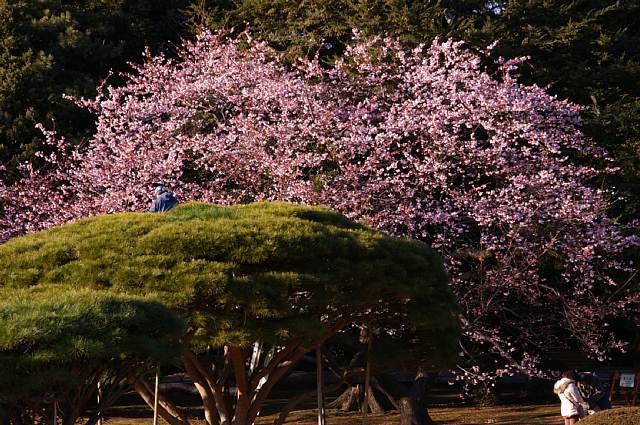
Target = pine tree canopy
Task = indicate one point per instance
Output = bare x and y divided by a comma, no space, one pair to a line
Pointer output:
53,338
265,270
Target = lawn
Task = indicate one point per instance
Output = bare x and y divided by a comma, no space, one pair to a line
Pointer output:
505,415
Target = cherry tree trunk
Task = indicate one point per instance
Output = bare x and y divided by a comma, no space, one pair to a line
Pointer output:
413,408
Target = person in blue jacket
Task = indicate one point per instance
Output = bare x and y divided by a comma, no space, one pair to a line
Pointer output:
164,199
594,391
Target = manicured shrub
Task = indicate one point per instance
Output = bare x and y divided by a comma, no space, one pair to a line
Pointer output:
58,342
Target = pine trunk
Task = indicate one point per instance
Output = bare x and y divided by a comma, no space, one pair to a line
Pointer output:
166,410
352,400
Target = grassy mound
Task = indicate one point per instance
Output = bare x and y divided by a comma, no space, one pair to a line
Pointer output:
619,416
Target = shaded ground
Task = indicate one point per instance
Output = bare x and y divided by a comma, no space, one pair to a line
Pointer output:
548,414
519,414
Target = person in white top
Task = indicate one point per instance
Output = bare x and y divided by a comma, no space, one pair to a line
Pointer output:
571,402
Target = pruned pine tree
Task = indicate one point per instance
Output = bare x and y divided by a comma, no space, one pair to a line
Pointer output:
286,275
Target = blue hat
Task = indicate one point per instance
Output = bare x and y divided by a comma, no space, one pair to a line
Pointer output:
158,187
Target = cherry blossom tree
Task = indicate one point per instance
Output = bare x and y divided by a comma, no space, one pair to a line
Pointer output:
480,166
429,143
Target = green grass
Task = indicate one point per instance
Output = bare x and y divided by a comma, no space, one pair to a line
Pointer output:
622,416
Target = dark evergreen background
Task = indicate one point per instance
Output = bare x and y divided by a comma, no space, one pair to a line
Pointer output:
587,51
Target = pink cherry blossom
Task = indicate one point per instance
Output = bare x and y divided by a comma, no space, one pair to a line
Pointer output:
423,143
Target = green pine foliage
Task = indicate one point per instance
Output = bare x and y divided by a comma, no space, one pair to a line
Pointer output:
54,339
49,48
303,28
237,274
57,343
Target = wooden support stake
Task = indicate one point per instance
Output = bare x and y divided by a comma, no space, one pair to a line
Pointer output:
367,380
155,397
55,413
612,389
99,399
320,384
630,395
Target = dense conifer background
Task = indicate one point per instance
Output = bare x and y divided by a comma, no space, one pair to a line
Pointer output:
587,51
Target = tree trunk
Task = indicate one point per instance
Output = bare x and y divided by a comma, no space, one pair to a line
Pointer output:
349,400
373,404
208,387
4,417
376,385
166,410
406,411
243,403
201,387
418,399
352,400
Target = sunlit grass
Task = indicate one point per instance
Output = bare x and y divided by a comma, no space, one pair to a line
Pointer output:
501,415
